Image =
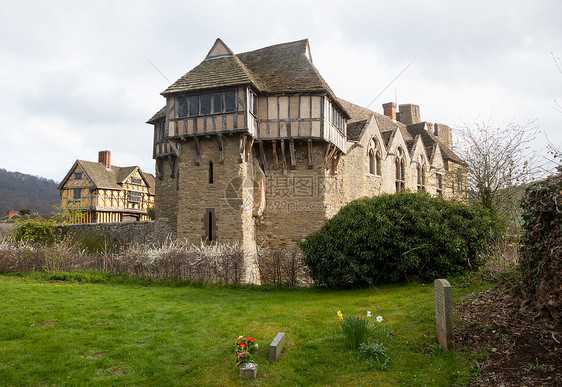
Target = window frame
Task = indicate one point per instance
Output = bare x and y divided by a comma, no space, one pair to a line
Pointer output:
134,196
400,170
439,184
77,197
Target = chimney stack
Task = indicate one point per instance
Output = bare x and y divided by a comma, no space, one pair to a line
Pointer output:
104,157
390,110
409,114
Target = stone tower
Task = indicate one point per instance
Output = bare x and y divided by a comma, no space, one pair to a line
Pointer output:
242,141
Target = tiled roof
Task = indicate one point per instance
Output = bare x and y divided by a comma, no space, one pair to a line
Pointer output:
355,129
285,67
282,68
212,73
356,112
387,124
160,114
429,139
110,178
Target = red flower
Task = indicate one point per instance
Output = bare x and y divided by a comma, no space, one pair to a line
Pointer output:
250,339
243,344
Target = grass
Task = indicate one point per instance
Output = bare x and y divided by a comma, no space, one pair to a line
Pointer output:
126,332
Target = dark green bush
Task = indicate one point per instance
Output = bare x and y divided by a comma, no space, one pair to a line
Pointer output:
541,251
398,237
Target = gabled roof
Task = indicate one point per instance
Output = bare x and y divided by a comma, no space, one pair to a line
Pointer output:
281,68
104,178
429,139
355,129
212,73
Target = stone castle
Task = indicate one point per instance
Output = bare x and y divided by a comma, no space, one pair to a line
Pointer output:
256,148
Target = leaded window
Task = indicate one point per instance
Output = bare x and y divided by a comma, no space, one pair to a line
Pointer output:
134,196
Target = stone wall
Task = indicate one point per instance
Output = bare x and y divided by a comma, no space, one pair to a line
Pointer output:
123,233
295,198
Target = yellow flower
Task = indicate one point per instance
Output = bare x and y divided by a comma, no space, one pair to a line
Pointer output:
340,315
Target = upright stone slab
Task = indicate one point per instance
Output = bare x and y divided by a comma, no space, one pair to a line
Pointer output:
444,313
276,347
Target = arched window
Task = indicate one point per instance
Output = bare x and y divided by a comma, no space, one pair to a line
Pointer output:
420,169
375,159
439,184
400,167
211,177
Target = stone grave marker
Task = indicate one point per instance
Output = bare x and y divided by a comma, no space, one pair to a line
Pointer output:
276,347
444,314
249,370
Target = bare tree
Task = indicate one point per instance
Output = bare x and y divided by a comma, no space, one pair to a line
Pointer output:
499,160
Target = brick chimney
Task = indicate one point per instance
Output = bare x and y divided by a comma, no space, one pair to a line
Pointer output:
104,157
390,110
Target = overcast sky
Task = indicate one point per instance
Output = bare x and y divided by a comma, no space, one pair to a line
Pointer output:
76,78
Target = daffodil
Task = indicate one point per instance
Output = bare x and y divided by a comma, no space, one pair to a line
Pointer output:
379,318
340,315
369,313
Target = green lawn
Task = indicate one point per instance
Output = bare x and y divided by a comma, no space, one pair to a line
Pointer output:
54,333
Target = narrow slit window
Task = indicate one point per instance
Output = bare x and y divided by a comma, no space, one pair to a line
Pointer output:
210,225
211,236
211,173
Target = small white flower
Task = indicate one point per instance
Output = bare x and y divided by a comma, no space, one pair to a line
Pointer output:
256,345
379,318
240,336
369,313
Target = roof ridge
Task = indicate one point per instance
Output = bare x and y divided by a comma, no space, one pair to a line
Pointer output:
275,46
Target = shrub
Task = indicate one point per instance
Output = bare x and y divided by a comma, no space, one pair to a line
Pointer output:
393,238
36,230
541,251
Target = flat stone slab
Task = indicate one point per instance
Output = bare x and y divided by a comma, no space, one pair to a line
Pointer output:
276,347
249,370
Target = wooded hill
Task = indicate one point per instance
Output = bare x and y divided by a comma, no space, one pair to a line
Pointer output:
21,191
